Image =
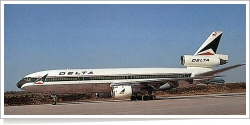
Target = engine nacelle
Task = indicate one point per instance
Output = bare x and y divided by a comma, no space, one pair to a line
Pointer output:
204,61
214,81
121,91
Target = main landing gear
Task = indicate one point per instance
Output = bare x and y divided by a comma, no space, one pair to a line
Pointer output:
54,98
144,94
143,97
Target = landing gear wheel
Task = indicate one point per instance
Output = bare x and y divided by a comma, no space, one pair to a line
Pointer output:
152,97
146,98
54,103
133,97
139,97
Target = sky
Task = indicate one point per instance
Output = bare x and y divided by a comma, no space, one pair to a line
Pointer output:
42,37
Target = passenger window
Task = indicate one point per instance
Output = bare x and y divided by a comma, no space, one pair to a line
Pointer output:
62,73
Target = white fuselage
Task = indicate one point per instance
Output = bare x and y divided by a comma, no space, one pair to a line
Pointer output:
98,80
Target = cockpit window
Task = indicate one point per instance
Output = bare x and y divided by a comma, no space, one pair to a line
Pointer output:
33,79
26,78
29,79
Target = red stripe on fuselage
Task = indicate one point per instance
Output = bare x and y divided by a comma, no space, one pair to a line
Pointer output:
206,53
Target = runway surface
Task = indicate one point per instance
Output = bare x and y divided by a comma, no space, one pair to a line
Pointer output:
214,104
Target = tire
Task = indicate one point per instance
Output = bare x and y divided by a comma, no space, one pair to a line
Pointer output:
146,98
54,103
139,97
152,97
133,98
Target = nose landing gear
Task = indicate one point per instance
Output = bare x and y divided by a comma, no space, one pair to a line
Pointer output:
54,99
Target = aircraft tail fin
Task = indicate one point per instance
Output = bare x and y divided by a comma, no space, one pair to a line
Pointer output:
206,56
209,47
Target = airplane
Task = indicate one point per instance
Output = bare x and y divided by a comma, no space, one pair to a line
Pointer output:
136,83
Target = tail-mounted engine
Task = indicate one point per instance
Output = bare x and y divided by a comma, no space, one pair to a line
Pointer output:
204,61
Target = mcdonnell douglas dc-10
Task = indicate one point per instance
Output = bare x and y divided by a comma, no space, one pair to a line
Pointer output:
136,83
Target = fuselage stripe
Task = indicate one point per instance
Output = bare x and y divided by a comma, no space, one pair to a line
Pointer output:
121,77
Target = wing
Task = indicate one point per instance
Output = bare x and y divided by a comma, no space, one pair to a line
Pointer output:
173,81
214,72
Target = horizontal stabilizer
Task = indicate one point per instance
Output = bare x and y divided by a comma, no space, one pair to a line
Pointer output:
211,73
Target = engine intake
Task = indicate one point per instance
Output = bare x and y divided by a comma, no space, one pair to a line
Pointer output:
121,91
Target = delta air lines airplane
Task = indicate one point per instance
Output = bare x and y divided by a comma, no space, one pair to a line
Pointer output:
136,83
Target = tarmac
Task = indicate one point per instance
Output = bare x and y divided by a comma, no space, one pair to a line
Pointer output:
212,104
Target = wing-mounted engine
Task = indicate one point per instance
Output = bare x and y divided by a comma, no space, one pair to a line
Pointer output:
121,91
204,61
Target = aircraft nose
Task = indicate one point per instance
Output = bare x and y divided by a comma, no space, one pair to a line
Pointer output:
20,83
